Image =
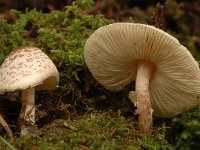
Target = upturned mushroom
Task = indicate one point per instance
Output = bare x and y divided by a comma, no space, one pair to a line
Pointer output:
167,76
27,69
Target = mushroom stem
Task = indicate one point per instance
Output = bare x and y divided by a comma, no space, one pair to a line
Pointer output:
144,110
7,128
27,114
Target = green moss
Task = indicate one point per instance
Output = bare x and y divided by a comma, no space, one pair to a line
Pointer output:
97,130
187,129
61,34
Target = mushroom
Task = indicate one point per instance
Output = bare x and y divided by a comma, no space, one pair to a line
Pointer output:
167,76
27,69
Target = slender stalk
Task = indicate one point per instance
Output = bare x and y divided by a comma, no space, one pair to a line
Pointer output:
28,105
144,110
7,128
27,113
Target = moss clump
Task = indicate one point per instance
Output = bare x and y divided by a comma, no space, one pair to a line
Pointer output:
98,130
61,34
187,129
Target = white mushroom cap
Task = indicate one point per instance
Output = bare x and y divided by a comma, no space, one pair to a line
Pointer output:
113,51
27,67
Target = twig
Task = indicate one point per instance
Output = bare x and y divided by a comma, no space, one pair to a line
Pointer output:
158,17
113,132
7,128
83,147
70,127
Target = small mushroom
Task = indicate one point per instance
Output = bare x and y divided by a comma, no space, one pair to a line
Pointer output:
27,69
167,76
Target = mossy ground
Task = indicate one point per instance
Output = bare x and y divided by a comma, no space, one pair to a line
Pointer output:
102,119
109,130
94,130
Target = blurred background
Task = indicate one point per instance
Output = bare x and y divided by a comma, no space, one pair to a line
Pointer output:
182,17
